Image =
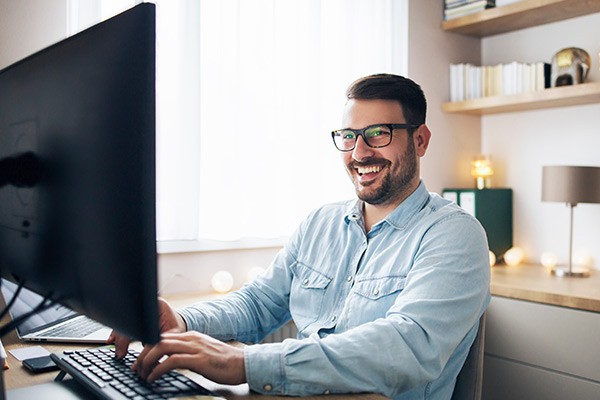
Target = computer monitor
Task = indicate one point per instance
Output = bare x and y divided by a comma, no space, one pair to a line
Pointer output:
77,156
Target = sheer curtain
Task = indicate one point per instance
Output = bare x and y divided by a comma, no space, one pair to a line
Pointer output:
247,93
271,76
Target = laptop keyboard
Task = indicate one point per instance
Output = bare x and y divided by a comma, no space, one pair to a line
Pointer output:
100,371
81,327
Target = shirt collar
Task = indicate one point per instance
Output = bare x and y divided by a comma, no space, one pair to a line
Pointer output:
401,215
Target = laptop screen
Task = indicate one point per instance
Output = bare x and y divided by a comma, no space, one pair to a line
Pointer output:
26,302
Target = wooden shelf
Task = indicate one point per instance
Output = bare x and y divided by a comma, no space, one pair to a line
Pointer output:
563,96
519,15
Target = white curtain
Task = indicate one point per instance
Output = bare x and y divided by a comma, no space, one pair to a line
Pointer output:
248,92
271,77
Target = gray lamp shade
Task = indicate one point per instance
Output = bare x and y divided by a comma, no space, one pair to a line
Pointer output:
571,184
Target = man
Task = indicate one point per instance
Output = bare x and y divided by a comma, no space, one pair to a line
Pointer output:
386,290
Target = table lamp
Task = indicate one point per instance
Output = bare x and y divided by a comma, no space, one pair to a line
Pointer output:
481,170
571,185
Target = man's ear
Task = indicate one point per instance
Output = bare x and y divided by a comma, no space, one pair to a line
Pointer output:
421,138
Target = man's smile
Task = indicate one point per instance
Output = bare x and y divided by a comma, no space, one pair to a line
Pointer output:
367,173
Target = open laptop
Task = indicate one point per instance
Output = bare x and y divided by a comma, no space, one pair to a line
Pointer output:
56,324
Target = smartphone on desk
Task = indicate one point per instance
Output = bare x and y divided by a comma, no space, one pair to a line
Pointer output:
40,364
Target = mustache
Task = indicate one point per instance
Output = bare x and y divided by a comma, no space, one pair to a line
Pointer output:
369,161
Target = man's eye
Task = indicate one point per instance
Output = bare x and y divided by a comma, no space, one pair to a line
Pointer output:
372,133
348,135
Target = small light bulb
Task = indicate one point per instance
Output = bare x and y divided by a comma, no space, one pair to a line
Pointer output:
253,273
584,260
548,260
492,259
222,281
513,256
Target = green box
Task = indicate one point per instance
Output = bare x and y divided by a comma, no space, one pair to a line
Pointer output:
493,209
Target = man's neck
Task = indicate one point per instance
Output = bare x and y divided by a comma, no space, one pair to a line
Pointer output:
373,213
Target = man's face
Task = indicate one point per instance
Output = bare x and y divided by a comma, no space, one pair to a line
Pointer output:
380,175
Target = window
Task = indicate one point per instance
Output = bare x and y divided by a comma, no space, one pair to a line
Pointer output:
248,92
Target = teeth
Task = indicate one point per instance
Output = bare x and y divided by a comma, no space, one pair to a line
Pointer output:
368,170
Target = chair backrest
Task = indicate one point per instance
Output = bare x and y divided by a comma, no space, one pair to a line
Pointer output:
470,378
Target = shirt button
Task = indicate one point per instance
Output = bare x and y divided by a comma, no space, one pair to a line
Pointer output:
349,279
375,292
268,387
305,282
333,318
326,392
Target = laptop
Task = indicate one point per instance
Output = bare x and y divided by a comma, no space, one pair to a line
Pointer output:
56,324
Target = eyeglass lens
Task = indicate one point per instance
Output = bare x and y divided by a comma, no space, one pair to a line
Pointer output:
374,136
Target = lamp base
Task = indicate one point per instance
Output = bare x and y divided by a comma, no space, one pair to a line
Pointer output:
575,272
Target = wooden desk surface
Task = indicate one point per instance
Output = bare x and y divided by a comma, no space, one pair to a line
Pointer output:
536,283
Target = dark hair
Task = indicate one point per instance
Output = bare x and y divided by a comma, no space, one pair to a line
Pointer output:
392,87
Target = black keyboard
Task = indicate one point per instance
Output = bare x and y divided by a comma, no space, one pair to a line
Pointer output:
99,370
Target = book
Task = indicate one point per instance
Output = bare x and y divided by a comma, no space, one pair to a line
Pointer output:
467,8
468,81
500,3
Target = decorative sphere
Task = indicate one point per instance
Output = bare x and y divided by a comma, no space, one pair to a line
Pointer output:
548,260
222,281
514,256
492,259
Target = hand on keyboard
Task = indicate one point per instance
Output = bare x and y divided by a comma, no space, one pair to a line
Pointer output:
216,360
99,371
169,319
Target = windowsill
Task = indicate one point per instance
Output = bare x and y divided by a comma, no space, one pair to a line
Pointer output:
192,246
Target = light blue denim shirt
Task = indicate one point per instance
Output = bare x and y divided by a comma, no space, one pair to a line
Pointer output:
394,311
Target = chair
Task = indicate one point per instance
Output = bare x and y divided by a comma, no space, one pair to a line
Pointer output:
470,378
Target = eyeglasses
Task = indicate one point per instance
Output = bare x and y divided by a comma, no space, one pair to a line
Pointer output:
375,136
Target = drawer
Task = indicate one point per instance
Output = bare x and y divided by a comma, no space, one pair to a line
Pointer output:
504,380
560,339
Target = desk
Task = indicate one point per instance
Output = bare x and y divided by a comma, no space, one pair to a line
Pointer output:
541,336
18,377
535,283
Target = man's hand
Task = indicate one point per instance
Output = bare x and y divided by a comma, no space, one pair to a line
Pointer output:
169,320
216,360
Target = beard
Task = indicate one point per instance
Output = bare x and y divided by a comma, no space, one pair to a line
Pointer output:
396,181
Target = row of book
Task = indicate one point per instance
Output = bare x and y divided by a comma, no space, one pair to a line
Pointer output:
469,81
458,8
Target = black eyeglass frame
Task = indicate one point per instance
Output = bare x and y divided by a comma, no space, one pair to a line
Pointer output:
361,132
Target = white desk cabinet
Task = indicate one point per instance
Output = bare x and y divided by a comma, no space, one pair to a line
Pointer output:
535,350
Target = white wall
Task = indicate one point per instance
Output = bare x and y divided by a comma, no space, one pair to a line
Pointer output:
455,139
521,143
27,26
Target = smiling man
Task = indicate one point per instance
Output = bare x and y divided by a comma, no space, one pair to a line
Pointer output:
386,290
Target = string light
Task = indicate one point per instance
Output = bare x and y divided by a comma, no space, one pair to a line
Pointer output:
514,256
253,273
492,259
548,260
222,281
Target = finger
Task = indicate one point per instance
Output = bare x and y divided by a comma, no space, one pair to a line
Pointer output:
140,358
111,337
153,356
174,361
121,345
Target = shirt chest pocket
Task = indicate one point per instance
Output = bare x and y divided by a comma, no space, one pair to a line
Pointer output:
375,296
307,294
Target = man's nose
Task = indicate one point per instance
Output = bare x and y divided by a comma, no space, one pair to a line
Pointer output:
361,149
